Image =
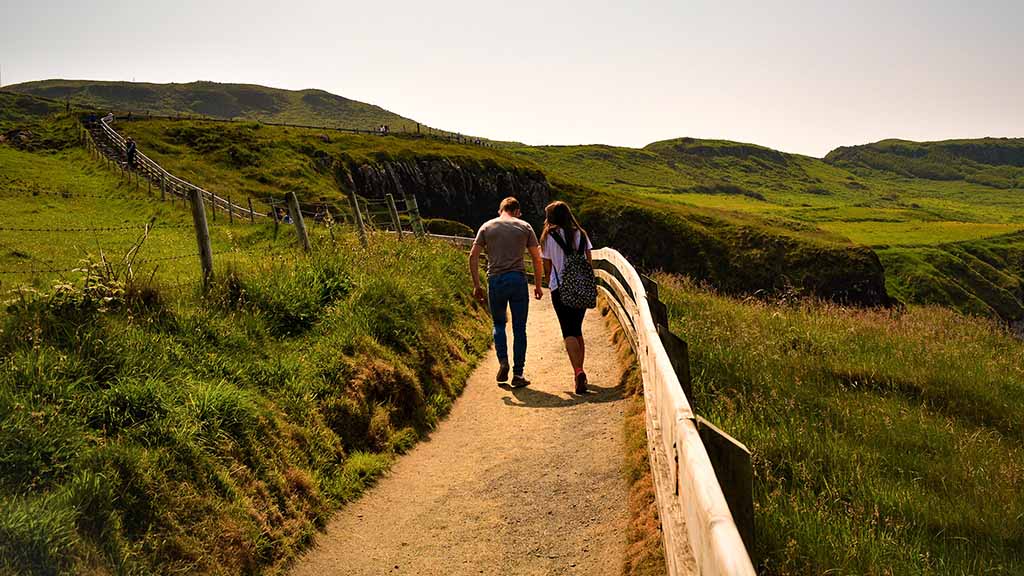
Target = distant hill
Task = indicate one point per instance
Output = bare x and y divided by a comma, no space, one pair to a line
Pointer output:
230,101
994,162
945,218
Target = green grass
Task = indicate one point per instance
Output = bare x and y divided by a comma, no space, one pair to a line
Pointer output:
147,427
984,277
250,159
880,234
918,220
69,189
230,101
883,442
32,124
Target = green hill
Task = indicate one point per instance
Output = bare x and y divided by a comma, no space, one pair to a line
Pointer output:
231,101
994,162
891,197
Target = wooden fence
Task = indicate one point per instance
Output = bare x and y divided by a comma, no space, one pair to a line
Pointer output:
171,184
702,477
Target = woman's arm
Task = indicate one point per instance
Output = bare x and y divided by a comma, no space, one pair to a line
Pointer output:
547,271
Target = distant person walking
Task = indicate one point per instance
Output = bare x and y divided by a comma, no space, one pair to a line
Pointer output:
505,239
130,150
569,268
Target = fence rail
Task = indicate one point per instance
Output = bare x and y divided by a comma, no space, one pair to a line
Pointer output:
691,500
169,183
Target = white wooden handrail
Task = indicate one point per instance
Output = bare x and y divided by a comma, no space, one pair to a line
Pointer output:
699,530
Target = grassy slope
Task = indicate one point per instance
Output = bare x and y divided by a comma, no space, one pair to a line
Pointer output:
883,442
70,190
922,228
865,206
255,160
242,101
34,124
17,110
148,430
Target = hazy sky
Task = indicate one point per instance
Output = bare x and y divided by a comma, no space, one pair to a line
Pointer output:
799,76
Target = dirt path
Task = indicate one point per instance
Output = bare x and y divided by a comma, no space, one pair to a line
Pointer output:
524,481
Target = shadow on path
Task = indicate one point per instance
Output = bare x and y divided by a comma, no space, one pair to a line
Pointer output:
532,398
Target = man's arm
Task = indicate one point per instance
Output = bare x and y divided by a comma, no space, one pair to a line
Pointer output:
474,273
538,272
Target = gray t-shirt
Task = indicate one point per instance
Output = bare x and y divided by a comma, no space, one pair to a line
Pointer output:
505,240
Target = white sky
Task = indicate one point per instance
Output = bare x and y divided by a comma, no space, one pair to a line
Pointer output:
800,76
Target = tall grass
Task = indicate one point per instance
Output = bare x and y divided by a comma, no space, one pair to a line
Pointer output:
183,433
884,442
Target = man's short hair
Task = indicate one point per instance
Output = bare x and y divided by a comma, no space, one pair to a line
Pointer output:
509,205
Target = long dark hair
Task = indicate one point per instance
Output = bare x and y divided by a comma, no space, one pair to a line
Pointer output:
559,215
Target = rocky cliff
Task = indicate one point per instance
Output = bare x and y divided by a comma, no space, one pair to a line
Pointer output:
466,191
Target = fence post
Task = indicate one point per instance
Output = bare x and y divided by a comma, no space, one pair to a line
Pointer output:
394,214
252,215
231,212
731,462
163,188
202,235
329,220
679,355
414,215
213,206
277,221
659,311
300,226
360,227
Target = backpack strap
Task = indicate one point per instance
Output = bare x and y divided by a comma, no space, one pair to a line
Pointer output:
560,241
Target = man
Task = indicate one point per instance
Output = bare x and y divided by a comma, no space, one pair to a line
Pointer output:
505,239
130,151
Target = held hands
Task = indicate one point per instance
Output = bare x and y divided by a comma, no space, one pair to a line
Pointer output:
538,292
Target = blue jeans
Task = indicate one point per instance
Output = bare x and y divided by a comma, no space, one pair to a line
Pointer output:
505,291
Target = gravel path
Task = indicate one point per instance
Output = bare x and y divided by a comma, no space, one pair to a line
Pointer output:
525,481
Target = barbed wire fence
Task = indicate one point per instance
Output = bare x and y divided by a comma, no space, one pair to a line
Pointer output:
400,216
381,215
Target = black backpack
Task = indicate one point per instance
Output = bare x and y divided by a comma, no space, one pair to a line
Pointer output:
577,287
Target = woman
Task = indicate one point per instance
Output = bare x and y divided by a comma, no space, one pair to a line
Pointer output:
563,233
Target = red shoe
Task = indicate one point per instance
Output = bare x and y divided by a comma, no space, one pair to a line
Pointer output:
581,383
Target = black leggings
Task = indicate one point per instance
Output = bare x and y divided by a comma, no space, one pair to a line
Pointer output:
569,319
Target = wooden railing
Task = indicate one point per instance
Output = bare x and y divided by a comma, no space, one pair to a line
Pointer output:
171,184
695,514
